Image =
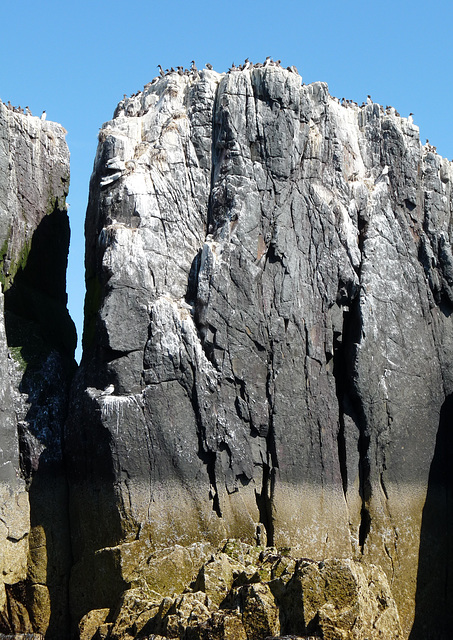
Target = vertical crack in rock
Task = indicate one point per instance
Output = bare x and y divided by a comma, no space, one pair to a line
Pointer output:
345,345
206,455
340,372
264,498
353,331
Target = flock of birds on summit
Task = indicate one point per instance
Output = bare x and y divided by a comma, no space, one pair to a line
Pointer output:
19,109
126,108
193,73
243,67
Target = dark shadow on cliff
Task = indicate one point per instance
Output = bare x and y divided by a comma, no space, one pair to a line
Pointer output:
41,339
434,594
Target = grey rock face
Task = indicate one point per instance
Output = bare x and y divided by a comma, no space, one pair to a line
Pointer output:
37,341
269,292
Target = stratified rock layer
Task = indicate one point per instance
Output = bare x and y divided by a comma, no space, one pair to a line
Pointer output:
268,336
37,341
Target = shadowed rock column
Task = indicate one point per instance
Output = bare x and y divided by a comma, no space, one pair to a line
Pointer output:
37,349
434,595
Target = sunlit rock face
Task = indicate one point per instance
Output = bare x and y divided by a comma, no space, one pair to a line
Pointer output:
37,341
268,335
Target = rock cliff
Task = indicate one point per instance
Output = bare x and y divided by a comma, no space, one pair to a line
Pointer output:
37,341
268,337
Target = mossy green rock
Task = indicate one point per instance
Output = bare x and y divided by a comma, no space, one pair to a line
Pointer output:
336,600
342,600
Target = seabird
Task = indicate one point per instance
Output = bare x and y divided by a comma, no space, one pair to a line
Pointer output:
369,100
108,390
161,71
208,66
43,115
28,111
193,67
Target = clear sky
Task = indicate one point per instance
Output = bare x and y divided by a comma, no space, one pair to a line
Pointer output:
76,59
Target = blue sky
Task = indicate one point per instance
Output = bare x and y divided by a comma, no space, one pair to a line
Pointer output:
77,59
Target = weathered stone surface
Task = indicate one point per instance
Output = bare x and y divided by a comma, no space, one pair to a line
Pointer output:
216,577
90,623
337,599
37,341
340,600
269,297
134,565
260,614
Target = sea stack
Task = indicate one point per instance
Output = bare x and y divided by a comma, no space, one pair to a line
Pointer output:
269,291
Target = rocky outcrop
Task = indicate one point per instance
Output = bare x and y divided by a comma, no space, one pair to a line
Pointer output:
252,593
268,337
37,341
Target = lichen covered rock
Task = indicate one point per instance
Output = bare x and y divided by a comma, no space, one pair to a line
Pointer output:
335,599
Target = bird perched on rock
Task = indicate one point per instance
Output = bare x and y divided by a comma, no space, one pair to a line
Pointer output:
208,66
108,390
43,115
161,71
